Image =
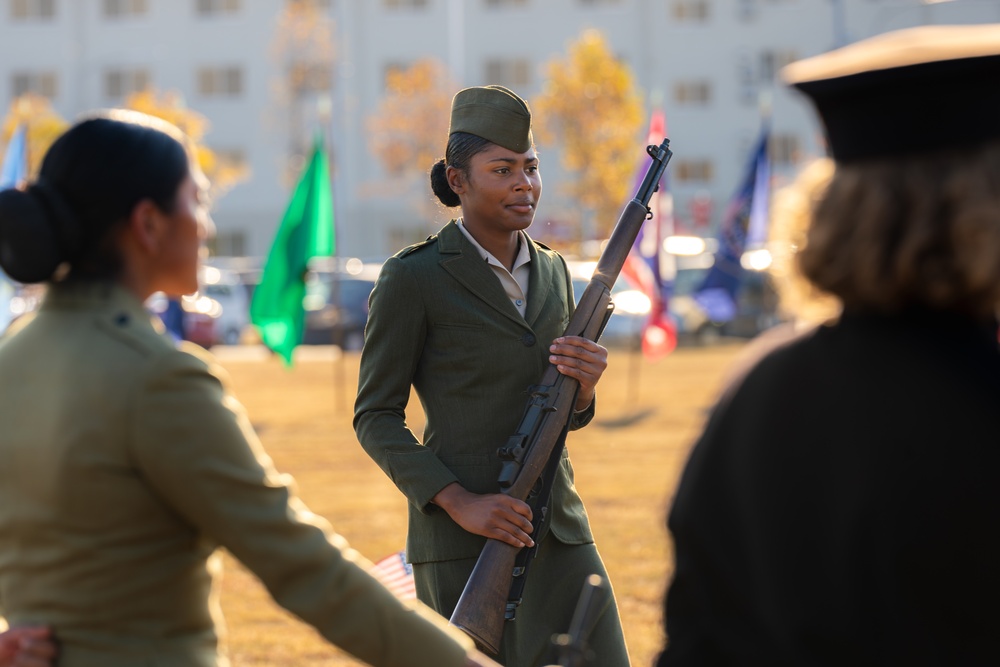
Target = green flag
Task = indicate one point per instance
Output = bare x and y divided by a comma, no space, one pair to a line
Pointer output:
306,231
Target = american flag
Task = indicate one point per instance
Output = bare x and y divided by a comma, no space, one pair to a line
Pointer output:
648,266
396,575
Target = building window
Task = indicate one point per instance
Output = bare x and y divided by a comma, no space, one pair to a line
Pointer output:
504,4
228,244
316,4
692,171
45,84
746,79
212,7
404,4
32,9
120,83
784,150
310,77
220,81
512,73
693,92
235,158
120,8
690,10
771,62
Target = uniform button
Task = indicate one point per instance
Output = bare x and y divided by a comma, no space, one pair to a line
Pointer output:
121,319
519,302
528,340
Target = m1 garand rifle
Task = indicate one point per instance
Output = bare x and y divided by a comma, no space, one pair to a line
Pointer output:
573,647
487,600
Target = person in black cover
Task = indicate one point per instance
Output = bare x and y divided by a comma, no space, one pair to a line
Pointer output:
841,506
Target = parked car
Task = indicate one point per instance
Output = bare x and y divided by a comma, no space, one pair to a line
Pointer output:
756,304
199,316
336,303
632,306
23,300
7,292
224,287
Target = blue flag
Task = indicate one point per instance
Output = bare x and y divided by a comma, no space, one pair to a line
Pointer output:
743,225
14,169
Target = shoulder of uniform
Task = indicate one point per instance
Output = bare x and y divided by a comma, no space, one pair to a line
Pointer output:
546,251
132,331
409,250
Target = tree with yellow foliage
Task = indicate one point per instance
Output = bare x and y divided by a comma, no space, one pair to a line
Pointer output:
223,174
590,108
407,133
42,125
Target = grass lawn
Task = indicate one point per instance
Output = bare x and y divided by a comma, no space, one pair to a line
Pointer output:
627,463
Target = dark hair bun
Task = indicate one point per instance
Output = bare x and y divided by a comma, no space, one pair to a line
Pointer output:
29,249
440,187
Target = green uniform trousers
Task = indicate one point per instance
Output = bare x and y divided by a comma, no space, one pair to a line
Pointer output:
551,593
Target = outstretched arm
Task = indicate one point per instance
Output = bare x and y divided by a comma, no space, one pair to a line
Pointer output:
27,647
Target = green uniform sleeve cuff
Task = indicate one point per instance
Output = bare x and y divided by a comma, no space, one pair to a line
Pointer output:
582,417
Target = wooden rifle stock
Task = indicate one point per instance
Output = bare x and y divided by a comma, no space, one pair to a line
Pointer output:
483,607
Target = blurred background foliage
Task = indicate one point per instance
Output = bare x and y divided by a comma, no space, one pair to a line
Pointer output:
44,125
409,130
598,137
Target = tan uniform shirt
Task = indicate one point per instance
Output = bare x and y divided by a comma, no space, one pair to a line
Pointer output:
515,283
125,463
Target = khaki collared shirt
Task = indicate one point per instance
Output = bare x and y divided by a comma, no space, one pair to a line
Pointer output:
515,283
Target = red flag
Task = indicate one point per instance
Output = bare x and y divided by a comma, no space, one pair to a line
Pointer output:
648,266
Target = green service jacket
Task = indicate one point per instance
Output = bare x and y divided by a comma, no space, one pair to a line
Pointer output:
440,321
124,463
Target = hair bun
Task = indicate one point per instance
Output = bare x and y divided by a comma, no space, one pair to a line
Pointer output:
68,231
29,249
440,187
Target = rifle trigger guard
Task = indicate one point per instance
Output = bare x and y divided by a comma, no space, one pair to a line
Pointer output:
649,213
512,457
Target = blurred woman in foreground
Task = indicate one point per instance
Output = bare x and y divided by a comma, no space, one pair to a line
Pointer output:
124,460
841,505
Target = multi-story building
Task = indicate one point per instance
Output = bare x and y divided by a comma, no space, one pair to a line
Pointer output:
709,61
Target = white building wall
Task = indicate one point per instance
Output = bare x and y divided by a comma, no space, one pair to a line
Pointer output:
375,213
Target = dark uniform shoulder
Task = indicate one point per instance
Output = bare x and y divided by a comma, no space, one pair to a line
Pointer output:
409,250
546,251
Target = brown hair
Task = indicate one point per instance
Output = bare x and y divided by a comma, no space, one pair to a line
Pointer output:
791,217
91,178
916,232
462,146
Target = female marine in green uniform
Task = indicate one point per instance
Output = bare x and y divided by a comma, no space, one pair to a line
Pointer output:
471,318
125,461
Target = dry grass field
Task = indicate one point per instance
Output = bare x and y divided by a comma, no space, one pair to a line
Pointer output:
627,463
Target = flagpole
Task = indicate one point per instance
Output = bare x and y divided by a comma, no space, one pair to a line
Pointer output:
637,354
325,114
